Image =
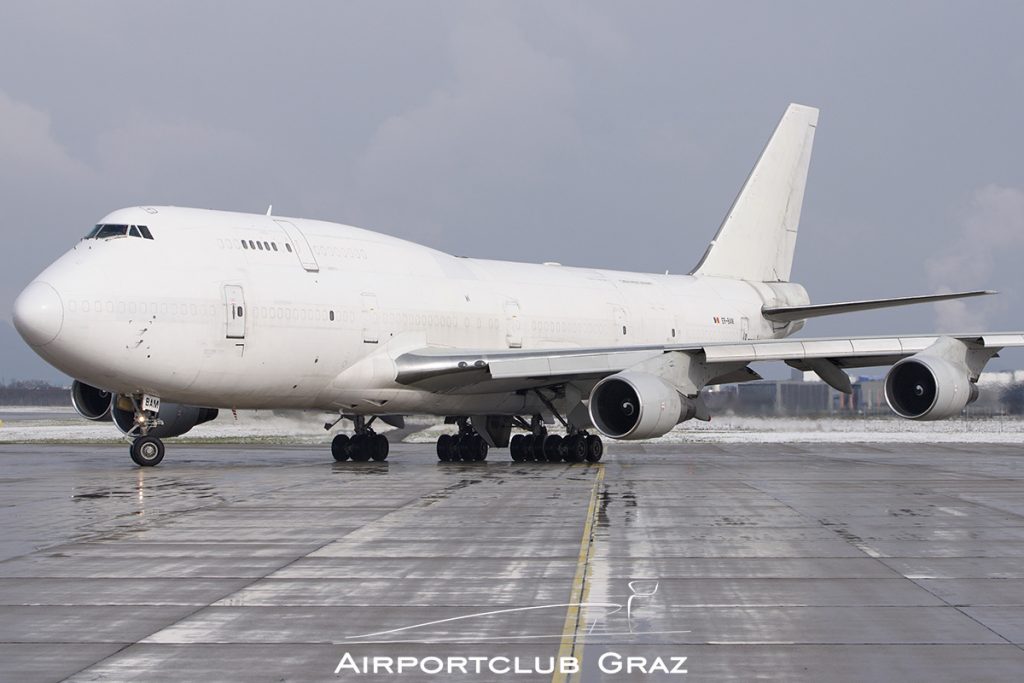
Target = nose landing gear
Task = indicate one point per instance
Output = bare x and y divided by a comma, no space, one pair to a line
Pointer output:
147,451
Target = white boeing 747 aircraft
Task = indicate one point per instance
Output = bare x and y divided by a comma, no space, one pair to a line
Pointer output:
165,315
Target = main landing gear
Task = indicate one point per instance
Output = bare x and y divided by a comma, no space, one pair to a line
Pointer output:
543,447
362,446
467,445
537,446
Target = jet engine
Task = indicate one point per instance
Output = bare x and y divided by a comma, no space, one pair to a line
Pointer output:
90,402
637,405
927,387
177,419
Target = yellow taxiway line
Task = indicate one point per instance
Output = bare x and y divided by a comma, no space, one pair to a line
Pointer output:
571,647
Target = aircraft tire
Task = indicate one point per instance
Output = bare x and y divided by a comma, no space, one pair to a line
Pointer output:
576,448
444,447
359,448
339,447
379,447
595,448
553,448
515,448
147,451
527,445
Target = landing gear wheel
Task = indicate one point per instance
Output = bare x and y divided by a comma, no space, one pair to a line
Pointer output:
147,451
444,444
527,445
595,448
478,448
379,447
538,447
359,447
472,447
576,448
339,447
553,448
515,448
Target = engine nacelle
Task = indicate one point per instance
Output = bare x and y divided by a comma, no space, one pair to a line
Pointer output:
927,387
637,405
90,402
177,419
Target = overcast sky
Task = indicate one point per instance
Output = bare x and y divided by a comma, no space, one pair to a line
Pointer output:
599,134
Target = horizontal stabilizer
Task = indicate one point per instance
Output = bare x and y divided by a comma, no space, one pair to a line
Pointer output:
785,314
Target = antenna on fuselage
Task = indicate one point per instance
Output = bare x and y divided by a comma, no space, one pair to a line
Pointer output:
269,209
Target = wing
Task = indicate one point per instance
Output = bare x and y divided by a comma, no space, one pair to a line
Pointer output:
453,371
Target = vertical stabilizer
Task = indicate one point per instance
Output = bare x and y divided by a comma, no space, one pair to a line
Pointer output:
757,238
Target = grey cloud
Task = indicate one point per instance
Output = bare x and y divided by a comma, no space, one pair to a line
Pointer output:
591,133
993,226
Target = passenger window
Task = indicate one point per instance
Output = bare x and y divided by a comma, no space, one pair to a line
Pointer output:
267,245
274,245
252,244
244,245
288,247
134,232
259,245
332,315
145,232
239,311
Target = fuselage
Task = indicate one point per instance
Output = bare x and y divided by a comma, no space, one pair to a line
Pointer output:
234,310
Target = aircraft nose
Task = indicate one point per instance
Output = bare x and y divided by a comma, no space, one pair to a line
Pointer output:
38,313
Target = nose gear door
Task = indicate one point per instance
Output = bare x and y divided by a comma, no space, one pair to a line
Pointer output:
234,307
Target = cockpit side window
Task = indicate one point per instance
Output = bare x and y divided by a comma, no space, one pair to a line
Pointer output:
145,232
133,232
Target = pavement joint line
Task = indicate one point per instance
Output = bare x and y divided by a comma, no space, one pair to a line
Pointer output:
571,647
290,561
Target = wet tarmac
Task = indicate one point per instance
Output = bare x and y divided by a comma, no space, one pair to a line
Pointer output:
798,563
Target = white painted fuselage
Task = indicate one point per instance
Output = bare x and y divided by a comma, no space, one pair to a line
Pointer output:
234,310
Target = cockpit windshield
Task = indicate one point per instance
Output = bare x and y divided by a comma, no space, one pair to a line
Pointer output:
107,230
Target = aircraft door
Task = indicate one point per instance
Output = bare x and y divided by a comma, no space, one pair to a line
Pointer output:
301,246
621,324
370,318
513,325
234,308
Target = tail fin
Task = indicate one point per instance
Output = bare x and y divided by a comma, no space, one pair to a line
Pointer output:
757,238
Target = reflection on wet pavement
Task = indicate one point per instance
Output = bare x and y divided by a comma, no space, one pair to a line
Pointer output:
841,562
